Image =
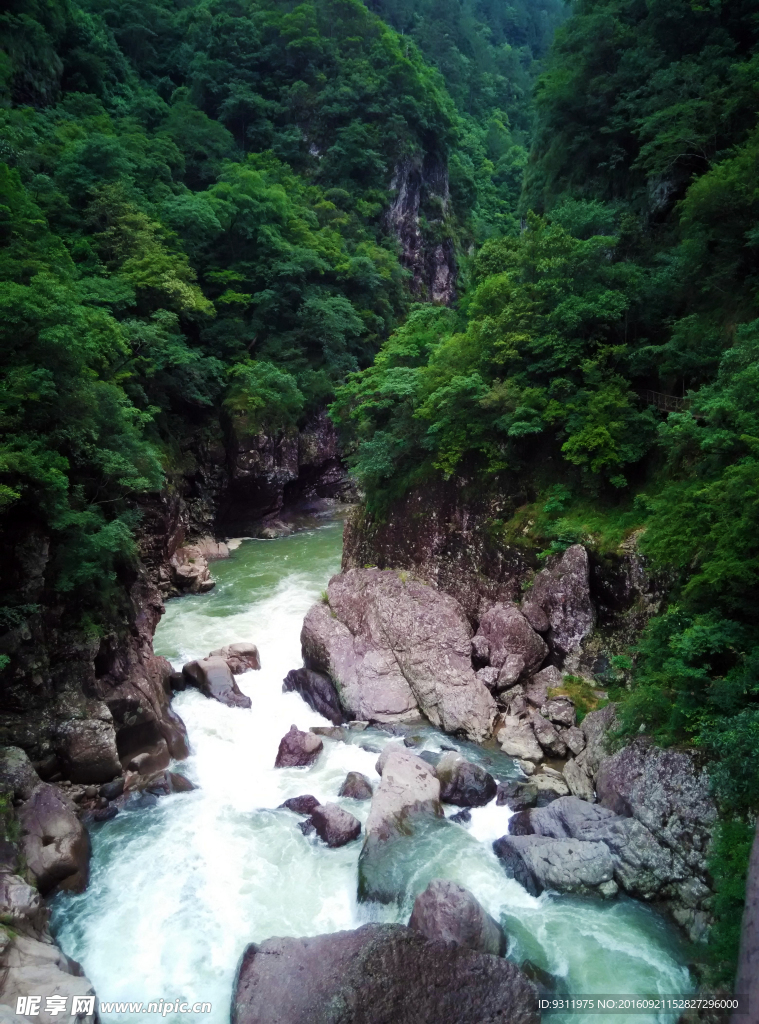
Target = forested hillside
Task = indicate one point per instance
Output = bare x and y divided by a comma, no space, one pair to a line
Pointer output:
605,364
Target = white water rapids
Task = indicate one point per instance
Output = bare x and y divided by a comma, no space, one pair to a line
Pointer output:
178,890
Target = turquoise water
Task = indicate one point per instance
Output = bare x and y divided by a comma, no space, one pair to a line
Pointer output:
178,891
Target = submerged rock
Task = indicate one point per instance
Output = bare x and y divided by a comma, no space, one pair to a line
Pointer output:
305,804
463,783
318,691
213,677
449,912
380,972
335,825
395,647
298,749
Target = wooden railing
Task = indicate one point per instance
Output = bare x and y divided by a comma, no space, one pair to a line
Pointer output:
667,403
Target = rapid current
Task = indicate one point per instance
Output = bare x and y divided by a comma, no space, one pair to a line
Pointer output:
178,890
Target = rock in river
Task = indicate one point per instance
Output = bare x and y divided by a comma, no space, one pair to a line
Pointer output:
449,912
298,749
335,825
378,974
463,783
54,841
213,677
356,786
318,691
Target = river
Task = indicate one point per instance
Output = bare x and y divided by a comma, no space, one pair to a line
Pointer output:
178,890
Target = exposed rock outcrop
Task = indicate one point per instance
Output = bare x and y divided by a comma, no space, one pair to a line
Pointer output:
378,973
510,634
318,691
747,976
55,845
335,825
394,647
448,912
558,603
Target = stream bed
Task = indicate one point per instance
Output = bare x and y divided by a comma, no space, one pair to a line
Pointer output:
178,890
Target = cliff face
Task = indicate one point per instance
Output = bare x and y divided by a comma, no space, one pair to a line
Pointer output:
84,702
417,216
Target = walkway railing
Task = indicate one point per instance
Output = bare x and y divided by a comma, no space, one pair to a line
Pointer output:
667,403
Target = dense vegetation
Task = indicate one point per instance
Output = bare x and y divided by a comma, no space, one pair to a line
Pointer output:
635,278
192,227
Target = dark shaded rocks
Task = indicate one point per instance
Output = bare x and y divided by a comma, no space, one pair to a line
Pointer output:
463,783
747,977
378,974
450,913
462,818
559,604
298,749
241,657
112,789
567,865
180,783
408,796
301,804
213,677
510,635
356,786
394,647
53,840
335,826
318,691
537,791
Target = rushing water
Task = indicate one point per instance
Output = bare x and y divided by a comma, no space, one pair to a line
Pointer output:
178,890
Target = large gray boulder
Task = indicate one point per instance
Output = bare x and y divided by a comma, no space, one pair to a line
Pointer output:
86,748
408,796
378,974
54,842
558,603
298,749
564,865
18,777
449,912
463,783
509,635
356,787
516,737
547,736
395,647
213,677
536,691
317,690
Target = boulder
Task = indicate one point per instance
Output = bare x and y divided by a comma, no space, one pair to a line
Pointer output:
536,690
462,818
377,973
516,737
747,978
480,650
17,775
180,783
213,677
21,906
509,633
463,783
189,570
407,796
356,786
596,728
298,749
335,825
305,804
579,782
32,964
148,761
54,842
666,792
558,603
510,671
561,711
574,739
547,736
395,647
86,748
318,691
488,676
241,657
564,865
516,794
449,912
